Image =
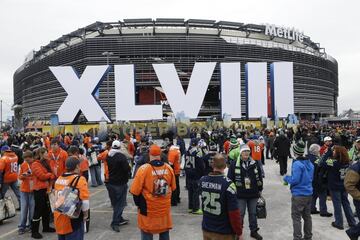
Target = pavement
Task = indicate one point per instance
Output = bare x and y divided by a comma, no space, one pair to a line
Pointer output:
277,225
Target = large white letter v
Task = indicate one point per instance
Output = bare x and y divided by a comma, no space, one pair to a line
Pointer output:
190,102
80,93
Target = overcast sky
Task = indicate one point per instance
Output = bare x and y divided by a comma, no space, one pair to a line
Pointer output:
28,24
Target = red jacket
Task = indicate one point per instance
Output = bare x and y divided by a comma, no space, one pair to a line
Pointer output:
323,149
226,146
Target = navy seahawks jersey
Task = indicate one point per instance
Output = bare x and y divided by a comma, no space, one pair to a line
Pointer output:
194,165
208,160
218,195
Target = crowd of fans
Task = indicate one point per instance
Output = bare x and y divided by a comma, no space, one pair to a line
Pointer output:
223,170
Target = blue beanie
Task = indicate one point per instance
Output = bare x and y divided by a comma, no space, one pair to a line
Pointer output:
5,148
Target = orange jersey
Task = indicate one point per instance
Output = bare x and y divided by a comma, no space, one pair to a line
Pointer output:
137,137
9,167
57,161
62,222
131,149
41,176
103,157
256,149
226,147
84,164
87,142
174,160
26,178
158,218
47,143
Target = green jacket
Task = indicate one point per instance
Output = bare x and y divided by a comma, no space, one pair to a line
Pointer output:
354,154
234,154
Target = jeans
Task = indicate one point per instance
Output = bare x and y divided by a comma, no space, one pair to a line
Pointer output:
76,235
340,198
149,236
14,187
117,195
301,208
268,150
322,201
251,206
95,172
355,230
27,209
194,194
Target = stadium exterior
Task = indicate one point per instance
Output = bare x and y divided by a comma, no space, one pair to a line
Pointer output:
38,94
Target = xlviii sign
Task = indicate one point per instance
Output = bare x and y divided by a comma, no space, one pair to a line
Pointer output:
81,91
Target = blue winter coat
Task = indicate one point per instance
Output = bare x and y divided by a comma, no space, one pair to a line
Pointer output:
301,178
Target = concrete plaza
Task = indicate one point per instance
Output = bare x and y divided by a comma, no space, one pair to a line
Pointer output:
277,226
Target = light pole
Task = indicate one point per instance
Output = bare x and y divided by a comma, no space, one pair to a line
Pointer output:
108,54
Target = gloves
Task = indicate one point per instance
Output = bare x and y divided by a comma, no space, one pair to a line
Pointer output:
286,180
330,162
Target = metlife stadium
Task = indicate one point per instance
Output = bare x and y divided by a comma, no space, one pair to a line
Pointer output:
143,42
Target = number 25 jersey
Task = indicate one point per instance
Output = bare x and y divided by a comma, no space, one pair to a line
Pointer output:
218,195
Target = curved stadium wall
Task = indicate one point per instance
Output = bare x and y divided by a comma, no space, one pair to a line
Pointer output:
38,94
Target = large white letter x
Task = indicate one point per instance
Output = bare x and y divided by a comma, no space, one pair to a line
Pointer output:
80,93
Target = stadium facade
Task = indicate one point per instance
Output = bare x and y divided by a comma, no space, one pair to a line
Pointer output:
143,42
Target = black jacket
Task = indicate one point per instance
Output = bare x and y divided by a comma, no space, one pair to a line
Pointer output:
253,172
180,142
335,172
282,146
119,169
320,174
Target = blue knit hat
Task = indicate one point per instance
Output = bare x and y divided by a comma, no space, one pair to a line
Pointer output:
5,148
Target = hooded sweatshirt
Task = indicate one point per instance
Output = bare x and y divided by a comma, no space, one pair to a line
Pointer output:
301,178
118,166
